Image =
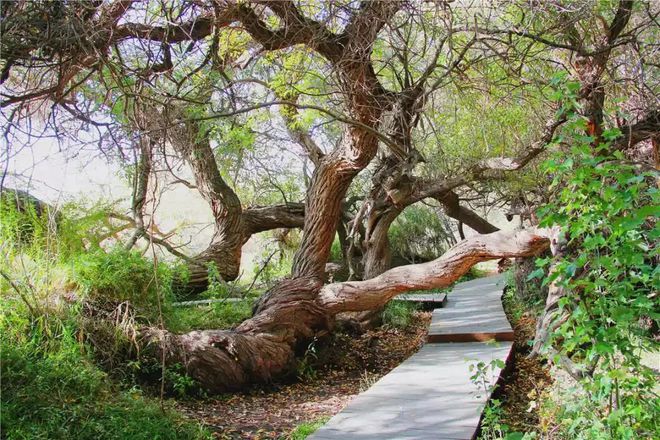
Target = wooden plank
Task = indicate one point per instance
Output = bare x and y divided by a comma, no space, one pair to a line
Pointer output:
431,395
473,313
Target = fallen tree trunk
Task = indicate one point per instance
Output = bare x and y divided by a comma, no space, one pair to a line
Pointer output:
377,257
441,272
297,310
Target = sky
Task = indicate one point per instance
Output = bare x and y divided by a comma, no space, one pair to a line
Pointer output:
56,178
49,174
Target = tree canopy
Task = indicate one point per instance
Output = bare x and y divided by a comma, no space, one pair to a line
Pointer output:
378,129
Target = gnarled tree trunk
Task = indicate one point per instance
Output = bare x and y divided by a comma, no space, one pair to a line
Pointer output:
296,310
377,256
224,251
233,225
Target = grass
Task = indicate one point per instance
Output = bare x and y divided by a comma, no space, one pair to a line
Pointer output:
116,276
399,314
51,388
304,430
212,316
60,351
473,274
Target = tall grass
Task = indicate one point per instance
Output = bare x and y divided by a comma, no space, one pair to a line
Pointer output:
57,288
399,314
51,388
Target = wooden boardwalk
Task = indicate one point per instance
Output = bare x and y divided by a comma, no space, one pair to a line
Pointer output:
430,396
473,313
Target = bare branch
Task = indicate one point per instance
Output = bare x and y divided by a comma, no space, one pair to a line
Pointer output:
647,127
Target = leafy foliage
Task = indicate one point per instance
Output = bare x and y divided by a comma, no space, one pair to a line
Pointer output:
59,349
28,226
120,276
482,376
51,388
419,233
607,208
213,316
305,368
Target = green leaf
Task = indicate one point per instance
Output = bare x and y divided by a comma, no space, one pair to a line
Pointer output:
536,274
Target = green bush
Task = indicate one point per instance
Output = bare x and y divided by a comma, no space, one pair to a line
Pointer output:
22,222
212,316
119,276
42,232
419,233
607,210
63,340
473,274
52,390
276,257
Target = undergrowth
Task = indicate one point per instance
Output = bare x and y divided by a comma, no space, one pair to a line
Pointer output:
70,314
604,277
473,274
51,388
304,430
399,314
606,274
211,316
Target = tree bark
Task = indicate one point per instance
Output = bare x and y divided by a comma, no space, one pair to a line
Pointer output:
377,256
297,310
455,210
265,218
323,210
224,251
233,225
590,67
289,314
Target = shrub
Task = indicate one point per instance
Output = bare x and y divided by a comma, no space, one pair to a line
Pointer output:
277,257
473,274
212,316
419,233
121,276
41,232
60,321
52,390
607,209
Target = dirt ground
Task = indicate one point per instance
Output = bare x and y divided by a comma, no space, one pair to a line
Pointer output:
343,367
527,379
